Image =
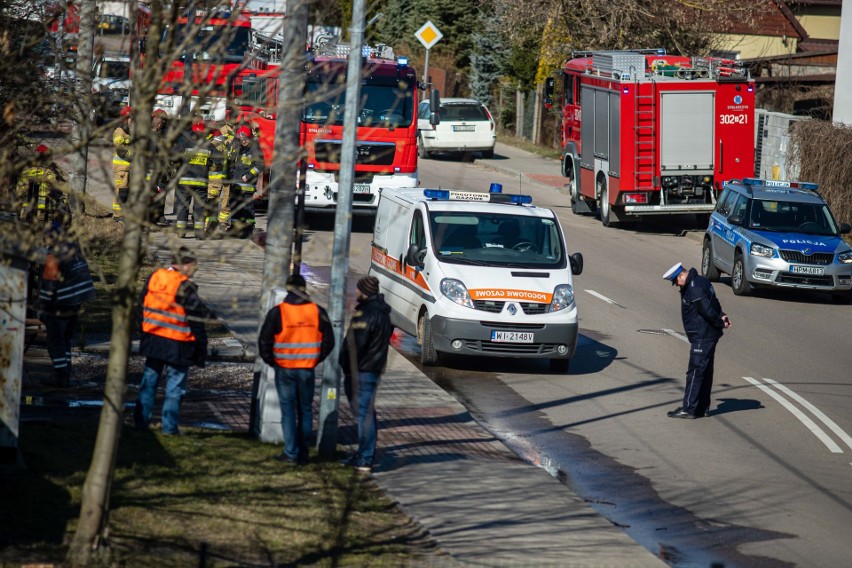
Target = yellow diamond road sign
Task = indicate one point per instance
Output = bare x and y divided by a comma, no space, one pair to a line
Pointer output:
428,35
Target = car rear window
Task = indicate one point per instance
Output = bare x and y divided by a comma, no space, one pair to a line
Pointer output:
463,112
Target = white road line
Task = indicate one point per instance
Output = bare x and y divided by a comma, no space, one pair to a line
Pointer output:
847,439
602,297
809,424
674,333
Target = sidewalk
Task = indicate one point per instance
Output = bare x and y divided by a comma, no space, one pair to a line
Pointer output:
481,503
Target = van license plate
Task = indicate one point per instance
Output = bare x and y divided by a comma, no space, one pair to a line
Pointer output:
464,127
360,188
810,270
512,336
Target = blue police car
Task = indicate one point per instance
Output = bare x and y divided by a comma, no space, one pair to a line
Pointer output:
767,233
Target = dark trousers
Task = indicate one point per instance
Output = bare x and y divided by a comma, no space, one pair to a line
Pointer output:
60,331
186,197
242,211
699,377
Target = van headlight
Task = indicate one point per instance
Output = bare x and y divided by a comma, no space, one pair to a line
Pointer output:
563,297
456,291
762,250
845,257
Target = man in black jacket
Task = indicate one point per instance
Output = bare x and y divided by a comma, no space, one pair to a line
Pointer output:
703,323
363,357
295,337
173,338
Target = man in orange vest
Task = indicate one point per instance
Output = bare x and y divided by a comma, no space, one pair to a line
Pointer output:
173,338
296,336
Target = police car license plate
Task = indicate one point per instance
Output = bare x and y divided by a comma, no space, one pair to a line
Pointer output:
360,188
512,336
810,270
464,127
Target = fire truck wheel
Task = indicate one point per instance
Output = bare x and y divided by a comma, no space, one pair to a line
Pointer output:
708,269
573,195
422,152
607,218
428,355
739,283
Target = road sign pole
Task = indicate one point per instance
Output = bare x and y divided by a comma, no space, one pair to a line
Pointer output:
426,75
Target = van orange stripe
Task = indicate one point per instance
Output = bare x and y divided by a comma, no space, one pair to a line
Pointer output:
393,265
509,294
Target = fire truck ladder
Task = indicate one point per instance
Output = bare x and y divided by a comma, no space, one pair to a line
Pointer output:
645,136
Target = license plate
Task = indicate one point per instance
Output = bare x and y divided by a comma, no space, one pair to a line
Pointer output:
360,188
809,270
464,127
512,336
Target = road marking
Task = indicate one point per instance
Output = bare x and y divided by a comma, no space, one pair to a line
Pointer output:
809,424
605,299
674,333
847,439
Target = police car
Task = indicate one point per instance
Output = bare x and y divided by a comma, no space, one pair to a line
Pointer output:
767,233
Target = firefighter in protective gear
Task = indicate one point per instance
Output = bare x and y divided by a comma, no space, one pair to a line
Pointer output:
41,191
173,338
296,336
248,166
193,177
159,173
121,161
219,166
65,285
225,201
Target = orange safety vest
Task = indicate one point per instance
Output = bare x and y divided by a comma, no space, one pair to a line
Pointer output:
161,314
297,345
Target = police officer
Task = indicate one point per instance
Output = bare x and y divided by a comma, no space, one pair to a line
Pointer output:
295,337
703,323
121,161
193,177
248,165
66,284
173,338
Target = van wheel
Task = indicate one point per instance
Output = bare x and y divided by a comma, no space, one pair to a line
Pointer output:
739,283
428,355
422,152
708,269
560,365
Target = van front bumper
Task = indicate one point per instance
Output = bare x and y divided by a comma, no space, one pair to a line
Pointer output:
475,338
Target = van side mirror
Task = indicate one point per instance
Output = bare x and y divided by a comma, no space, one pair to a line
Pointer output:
576,260
415,256
845,228
434,107
736,220
548,92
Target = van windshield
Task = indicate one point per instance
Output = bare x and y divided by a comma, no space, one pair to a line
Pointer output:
518,241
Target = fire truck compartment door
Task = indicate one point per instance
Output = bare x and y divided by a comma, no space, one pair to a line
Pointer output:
599,128
686,131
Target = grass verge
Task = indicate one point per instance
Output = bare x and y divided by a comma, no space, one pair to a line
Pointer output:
212,496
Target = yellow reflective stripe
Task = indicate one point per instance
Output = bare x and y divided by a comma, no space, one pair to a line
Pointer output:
193,183
120,162
217,175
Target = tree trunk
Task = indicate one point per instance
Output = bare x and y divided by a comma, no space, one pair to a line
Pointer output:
82,106
536,126
519,113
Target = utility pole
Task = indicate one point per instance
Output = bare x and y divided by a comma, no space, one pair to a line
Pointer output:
79,158
282,192
843,75
329,398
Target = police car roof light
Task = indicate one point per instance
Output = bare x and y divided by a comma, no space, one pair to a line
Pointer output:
781,183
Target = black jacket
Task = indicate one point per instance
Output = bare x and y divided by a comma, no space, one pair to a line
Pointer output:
700,309
272,326
183,353
71,288
368,337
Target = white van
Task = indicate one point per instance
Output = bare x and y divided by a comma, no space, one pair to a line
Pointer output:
476,274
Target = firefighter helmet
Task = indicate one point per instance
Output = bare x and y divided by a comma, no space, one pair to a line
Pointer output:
198,126
160,112
244,132
125,111
42,149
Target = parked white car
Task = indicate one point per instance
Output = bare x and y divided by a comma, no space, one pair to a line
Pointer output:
465,126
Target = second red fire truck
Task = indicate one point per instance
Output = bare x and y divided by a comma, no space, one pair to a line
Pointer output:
647,133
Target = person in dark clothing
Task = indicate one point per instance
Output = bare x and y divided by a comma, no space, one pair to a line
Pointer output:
193,177
66,284
295,337
247,168
173,338
363,357
704,323
159,174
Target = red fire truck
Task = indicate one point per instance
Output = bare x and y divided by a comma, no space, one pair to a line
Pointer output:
387,125
646,133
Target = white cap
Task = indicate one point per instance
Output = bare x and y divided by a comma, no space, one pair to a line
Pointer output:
671,273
